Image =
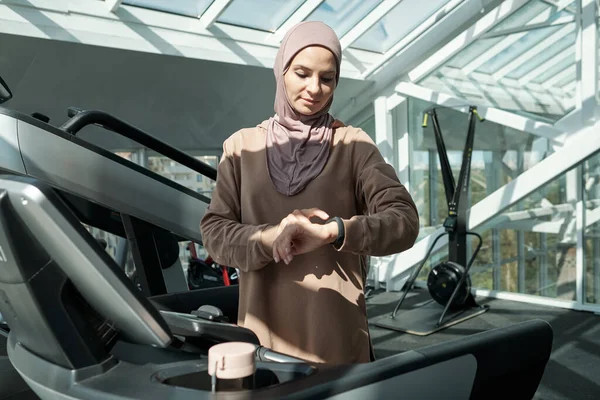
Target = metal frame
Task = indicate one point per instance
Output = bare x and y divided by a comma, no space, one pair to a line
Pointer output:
113,5
140,29
425,39
298,16
580,148
213,12
497,15
489,113
367,22
579,127
528,27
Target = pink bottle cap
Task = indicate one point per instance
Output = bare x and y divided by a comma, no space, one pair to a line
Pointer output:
232,360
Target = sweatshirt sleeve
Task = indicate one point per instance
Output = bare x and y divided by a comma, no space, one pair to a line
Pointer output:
391,221
227,240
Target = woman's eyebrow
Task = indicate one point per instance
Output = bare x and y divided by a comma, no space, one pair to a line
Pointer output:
331,71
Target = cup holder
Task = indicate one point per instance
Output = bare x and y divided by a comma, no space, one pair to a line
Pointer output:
267,374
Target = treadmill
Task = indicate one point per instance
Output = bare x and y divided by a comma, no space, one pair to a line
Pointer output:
109,192
81,330
148,211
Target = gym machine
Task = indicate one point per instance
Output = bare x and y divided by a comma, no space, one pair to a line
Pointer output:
81,330
149,212
448,282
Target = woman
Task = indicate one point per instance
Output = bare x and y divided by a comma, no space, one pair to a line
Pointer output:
299,203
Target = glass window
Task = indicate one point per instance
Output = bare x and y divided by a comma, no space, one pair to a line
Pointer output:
499,155
531,247
183,175
128,155
396,24
342,15
591,187
190,8
265,15
369,127
537,242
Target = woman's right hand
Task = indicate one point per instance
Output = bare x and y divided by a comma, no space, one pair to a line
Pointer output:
296,234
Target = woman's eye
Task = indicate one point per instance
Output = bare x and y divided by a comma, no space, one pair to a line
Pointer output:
324,79
300,75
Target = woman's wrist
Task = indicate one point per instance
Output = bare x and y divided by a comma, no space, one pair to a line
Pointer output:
338,230
268,236
332,231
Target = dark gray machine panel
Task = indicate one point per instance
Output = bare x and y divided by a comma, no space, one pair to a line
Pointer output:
85,265
76,169
10,155
452,379
448,380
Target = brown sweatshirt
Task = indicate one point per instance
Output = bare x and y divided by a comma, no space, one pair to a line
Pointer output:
314,308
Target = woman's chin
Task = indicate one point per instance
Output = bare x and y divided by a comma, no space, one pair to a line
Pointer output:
308,111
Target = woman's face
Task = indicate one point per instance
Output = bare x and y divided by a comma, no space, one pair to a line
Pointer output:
310,79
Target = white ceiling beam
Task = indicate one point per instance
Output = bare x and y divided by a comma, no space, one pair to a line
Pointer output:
51,5
506,94
530,223
504,44
538,212
496,115
113,5
213,12
569,87
495,16
587,96
567,19
533,51
367,22
562,4
298,16
552,227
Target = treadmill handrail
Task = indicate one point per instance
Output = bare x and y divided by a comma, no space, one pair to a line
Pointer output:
110,122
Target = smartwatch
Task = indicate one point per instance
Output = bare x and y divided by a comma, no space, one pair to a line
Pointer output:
341,232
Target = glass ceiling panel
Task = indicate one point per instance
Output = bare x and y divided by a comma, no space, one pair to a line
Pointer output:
527,72
564,45
533,12
342,15
557,68
190,8
472,52
264,15
397,23
525,41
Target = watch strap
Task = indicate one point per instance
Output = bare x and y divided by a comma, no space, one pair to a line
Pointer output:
341,231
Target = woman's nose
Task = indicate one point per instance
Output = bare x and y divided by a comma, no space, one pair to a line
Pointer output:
314,86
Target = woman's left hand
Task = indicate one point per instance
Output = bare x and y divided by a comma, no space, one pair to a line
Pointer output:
298,235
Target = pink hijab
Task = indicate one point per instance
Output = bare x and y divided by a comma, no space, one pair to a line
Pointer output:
298,145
